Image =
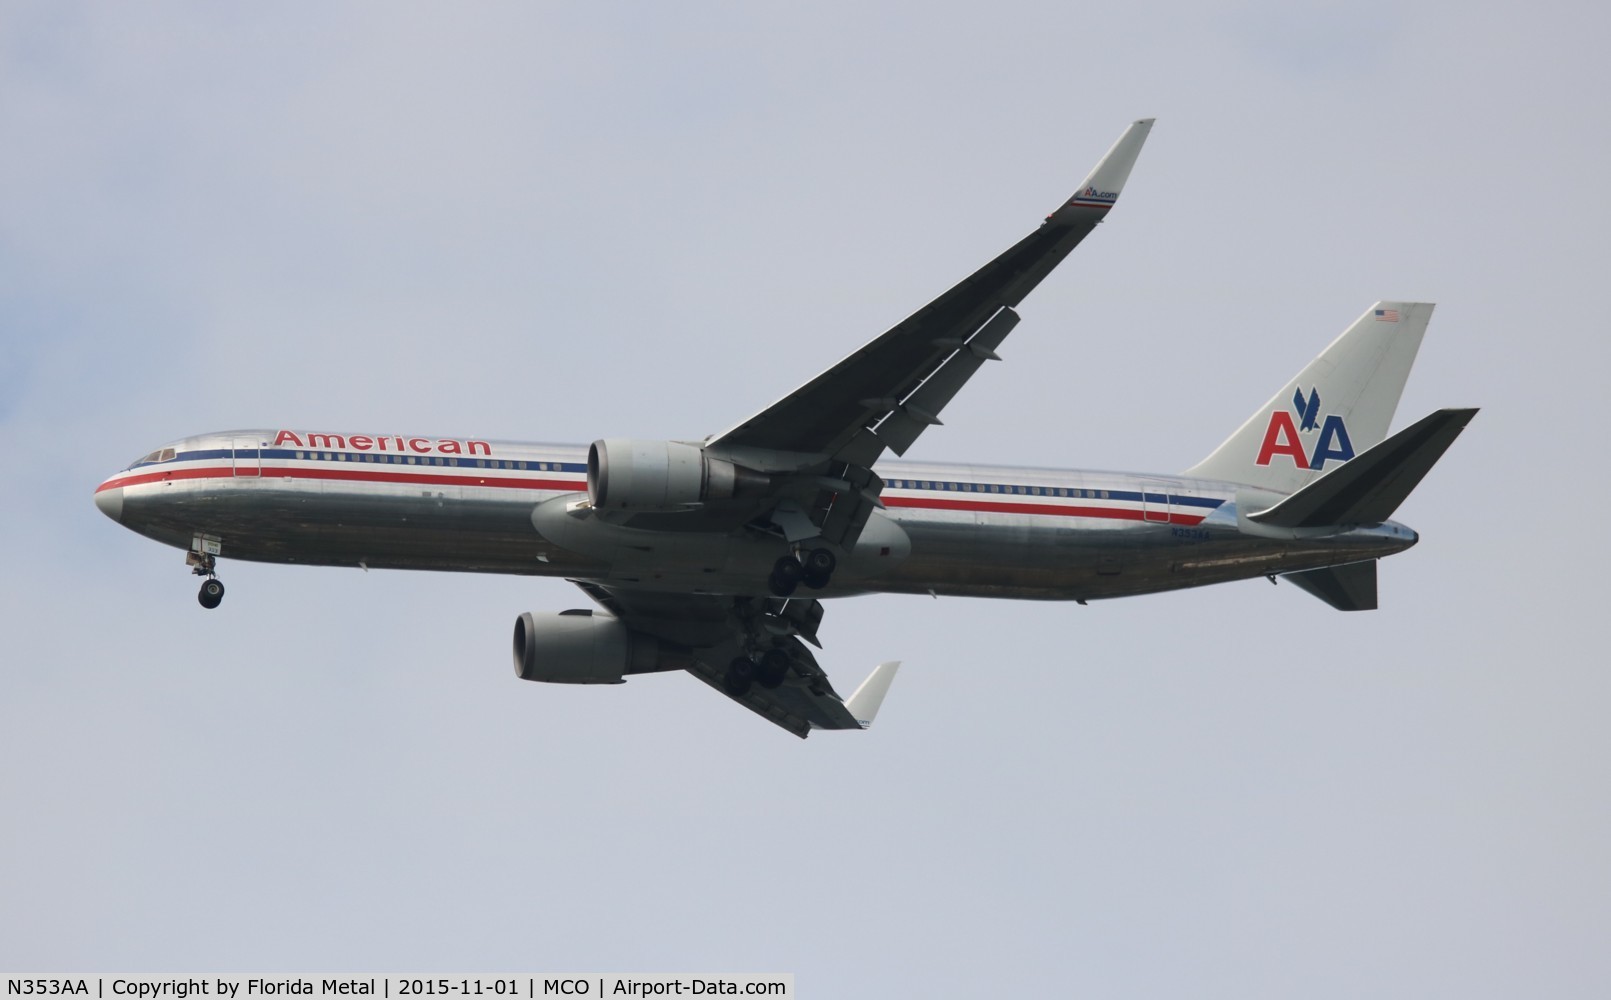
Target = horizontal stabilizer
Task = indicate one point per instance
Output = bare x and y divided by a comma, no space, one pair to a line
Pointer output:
1346,588
1368,489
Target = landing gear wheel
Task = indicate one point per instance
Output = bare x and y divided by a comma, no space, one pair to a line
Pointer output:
740,673
786,574
772,669
819,567
212,593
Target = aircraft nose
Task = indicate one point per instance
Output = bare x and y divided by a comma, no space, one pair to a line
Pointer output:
110,500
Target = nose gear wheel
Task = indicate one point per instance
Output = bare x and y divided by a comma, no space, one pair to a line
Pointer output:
212,593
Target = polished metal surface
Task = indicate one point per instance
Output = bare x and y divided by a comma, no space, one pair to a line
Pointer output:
274,509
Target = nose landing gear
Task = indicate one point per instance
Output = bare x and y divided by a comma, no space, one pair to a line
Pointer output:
212,589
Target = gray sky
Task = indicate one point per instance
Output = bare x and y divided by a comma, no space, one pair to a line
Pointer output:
560,222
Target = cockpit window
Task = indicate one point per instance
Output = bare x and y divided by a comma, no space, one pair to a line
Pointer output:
160,455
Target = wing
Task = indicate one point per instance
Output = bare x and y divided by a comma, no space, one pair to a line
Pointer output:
718,630
883,395
815,449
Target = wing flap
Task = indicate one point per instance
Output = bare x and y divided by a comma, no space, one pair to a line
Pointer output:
921,409
715,630
794,705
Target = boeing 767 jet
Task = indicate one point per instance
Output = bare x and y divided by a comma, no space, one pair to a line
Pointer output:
713,556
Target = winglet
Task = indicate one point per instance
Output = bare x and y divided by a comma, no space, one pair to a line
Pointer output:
1102,185
863,705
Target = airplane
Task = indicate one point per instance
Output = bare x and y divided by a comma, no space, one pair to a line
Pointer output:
714,556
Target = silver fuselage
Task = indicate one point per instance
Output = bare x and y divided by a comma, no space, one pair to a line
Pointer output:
504,507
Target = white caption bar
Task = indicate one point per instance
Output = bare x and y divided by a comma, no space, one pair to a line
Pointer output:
391,987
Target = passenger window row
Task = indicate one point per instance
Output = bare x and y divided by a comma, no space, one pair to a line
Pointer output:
959,487
372,458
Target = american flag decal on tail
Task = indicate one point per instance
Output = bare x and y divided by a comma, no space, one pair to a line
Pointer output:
1387,315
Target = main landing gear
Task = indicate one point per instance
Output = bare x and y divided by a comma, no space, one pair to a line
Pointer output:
212,589
814,568
768,671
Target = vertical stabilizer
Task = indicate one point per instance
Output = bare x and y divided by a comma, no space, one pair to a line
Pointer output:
1337,407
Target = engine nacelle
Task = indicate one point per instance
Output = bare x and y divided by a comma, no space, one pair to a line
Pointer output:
662,476
580,647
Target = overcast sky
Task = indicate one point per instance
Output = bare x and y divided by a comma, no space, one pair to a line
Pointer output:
566,221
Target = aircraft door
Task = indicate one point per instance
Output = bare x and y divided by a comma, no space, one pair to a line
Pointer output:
1157,501
247,457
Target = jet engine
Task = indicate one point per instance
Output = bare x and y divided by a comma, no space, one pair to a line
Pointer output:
580,647
662,476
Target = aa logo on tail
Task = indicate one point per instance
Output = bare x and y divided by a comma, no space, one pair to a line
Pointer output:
1283,436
